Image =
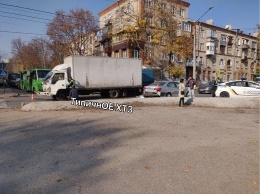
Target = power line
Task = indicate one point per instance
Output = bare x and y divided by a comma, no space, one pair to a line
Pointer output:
37,10
9,5
22,19
22,32
24,15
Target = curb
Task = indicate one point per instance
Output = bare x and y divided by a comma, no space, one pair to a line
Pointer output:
248,102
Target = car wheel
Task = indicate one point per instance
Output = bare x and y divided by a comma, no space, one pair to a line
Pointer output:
224,94
168,95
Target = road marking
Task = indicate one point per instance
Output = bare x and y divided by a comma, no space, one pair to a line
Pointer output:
3,103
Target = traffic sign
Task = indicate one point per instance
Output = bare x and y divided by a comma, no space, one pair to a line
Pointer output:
3,72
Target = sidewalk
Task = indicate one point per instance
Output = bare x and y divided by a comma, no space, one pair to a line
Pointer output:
207,102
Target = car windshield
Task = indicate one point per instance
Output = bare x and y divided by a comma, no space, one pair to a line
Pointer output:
157,84
14,76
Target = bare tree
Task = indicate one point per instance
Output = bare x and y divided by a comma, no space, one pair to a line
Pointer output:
69,32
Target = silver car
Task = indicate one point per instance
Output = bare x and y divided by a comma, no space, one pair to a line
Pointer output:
162,88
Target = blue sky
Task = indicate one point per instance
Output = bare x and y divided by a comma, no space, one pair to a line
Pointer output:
242,14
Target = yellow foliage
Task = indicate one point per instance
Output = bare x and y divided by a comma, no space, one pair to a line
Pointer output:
177,71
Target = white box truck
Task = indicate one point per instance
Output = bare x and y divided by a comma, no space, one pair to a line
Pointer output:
111,77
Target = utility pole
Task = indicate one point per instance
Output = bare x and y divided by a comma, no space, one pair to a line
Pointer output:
235,45
194,45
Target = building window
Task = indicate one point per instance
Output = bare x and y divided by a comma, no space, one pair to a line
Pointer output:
117,54
173,10
163,6
149,21
181,12
221,62
172,57
245,41
116,13
135,53
222,50
253,45
124,53
238,53
163,40
201,48
163,55
149,38
149,3
186,26
229,50
163,23
202,33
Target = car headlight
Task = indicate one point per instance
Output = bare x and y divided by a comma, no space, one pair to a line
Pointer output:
207,88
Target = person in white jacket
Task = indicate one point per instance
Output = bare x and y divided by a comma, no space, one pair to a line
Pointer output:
181,92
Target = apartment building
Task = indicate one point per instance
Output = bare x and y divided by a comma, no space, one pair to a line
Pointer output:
117,39
223,52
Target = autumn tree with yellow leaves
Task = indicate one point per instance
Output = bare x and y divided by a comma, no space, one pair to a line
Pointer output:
156,33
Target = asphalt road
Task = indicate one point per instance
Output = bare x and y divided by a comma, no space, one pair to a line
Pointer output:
152,150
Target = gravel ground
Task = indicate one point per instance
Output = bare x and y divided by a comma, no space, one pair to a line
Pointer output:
155,149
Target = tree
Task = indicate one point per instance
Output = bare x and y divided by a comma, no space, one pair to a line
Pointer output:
156,32
177,71
68,32
34,54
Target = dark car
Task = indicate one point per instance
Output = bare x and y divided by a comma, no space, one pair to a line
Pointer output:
206,88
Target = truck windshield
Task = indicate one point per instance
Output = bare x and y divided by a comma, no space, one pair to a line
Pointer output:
42,73
47,76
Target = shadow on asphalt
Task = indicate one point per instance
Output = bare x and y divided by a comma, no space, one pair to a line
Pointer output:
54,155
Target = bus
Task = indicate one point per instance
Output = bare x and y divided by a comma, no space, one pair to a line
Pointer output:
31,79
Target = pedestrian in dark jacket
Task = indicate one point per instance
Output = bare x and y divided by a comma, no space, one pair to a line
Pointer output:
73,92
215,86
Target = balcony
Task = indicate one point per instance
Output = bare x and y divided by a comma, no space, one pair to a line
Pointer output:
229,68
245,46
253,47
221,67
210,48
223,43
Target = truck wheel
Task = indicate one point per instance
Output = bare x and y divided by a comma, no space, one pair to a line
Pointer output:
168,95
54,97
114,94
61,95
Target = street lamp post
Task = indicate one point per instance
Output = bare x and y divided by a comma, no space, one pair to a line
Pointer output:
194,45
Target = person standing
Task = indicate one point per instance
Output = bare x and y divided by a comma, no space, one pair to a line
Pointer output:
191,83
73,92
215,86
181,92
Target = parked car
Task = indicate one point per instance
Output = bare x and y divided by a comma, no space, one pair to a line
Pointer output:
206,88
239,88
162,88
